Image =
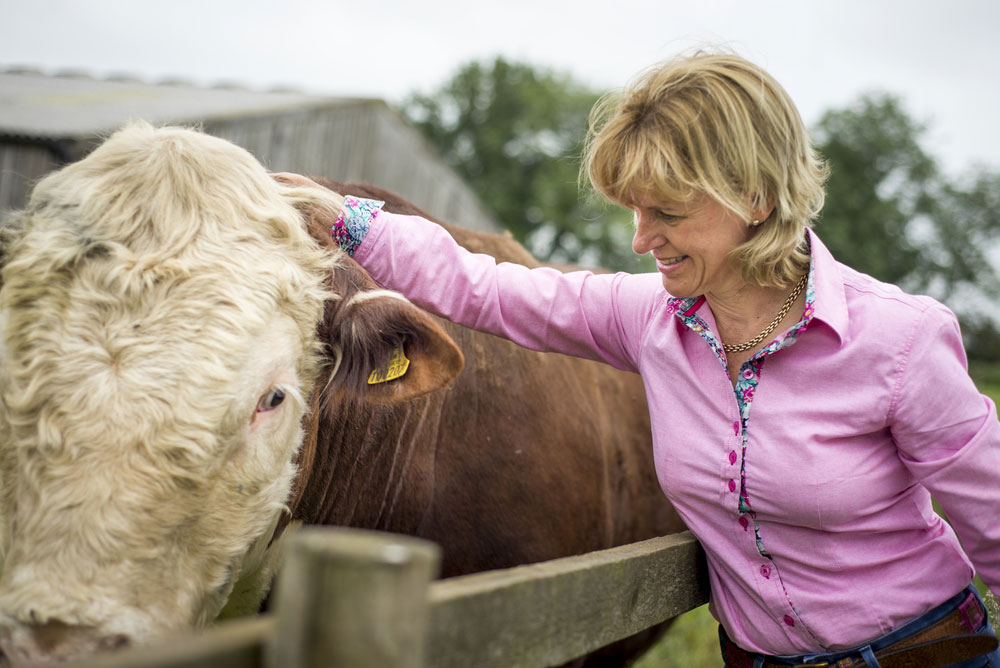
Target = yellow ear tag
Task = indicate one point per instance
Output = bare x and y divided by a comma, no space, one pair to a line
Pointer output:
395,368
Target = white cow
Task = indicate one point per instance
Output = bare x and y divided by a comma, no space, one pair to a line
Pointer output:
164,251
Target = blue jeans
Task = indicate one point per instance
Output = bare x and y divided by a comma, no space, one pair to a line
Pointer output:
991,660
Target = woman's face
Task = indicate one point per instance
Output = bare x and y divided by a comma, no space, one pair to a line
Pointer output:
690,242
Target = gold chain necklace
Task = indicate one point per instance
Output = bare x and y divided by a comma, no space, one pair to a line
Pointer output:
740,347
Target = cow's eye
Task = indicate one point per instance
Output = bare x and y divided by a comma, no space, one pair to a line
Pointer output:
271,400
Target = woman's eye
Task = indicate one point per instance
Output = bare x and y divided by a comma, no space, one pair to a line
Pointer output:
271,400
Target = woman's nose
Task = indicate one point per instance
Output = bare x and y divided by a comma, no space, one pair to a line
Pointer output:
646,236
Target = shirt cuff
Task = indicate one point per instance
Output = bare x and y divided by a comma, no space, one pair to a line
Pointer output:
354,221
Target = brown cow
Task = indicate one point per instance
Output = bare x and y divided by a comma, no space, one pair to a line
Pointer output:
525,457
165,321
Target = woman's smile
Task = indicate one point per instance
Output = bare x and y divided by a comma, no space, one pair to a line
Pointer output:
670,264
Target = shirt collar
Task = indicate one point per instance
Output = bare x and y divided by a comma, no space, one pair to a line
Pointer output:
825,283
828,284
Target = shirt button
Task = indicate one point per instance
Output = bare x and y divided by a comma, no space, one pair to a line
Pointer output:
744,523
732,485
736,428
766,572
732,457
789,621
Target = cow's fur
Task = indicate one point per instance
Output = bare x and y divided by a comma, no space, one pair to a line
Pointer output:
154,297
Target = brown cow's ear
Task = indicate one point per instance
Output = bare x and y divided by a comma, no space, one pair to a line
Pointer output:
389,350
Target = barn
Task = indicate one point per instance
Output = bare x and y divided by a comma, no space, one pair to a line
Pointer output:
49,120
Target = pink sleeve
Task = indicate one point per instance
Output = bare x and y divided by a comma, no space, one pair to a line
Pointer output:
596,316
948,435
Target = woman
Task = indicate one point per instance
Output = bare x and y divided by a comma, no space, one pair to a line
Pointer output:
803,413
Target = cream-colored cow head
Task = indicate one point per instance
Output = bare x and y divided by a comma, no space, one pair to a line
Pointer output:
158,309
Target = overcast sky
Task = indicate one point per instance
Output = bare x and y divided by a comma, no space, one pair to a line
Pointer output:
941,57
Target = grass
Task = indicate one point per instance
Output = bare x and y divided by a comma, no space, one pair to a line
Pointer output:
987,377
693,640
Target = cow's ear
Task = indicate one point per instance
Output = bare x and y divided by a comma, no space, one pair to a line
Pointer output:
382,347
386,350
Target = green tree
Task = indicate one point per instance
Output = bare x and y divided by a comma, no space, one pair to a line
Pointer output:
879,183
515,133
892,213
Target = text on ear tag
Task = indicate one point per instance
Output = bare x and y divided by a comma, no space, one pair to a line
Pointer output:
395,368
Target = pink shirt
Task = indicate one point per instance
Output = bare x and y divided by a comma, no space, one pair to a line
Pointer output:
855,417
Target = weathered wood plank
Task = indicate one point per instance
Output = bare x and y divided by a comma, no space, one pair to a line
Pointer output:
232,644
549,613
526,617
353,599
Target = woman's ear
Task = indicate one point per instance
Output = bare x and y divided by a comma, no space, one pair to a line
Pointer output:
762,209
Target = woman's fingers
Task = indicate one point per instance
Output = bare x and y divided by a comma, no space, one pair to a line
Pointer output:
294,180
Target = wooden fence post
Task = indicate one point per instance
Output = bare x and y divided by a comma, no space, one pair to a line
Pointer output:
352,599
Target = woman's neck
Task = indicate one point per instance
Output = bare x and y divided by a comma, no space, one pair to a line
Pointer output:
745,307
742,315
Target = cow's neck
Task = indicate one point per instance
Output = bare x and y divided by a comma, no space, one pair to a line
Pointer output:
368,466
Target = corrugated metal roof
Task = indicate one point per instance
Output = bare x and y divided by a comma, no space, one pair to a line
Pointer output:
48,120
52,107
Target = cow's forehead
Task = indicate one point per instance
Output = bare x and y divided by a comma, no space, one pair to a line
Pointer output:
149,205
174,349
94,369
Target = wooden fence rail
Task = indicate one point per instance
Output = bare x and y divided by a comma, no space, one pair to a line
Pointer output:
358,599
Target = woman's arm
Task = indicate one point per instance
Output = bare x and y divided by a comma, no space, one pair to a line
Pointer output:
948,435
597,316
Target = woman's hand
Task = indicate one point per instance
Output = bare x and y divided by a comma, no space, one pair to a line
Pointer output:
322,211
295,180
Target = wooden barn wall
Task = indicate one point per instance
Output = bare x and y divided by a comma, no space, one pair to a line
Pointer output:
21,165
365,141
405,159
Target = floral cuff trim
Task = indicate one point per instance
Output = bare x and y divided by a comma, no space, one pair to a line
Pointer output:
354,221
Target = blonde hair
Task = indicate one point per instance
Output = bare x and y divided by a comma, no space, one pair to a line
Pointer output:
716,125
